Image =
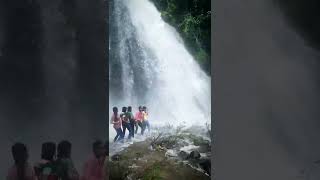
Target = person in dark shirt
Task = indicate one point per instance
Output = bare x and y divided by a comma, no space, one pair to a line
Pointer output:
65,166
47,168
21,168
125,122
131,120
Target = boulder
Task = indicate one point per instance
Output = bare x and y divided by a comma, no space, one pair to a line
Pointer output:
205,164
183,155
116,157
194,155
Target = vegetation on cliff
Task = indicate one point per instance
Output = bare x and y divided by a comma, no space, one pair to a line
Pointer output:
192,19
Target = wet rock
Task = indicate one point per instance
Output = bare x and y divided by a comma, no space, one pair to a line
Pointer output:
194,155
116,157
171,153
183,155
204,148
205,164
168,143
153,165
181,144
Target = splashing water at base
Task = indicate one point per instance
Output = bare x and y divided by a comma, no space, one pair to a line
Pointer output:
149,65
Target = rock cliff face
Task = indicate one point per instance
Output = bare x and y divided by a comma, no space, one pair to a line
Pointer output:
52,74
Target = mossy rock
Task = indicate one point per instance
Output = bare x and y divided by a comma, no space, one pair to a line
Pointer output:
168,170
197,140
151,165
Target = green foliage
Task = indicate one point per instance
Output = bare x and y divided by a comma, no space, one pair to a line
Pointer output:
192,19
153,172
197,140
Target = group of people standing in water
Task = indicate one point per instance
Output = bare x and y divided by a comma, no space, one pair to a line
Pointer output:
61,167
126,121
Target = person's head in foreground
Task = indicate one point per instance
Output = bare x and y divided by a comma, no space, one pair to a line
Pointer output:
20,156
124,109
20,153
48,151
115,110
144,108
64,149
98,149
140,108
129,109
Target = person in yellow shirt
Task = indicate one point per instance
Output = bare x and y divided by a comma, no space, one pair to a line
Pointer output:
145,118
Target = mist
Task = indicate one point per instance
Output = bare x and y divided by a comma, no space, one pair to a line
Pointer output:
53,79
266,89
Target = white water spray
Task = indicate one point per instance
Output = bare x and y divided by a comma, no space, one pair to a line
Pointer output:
177,91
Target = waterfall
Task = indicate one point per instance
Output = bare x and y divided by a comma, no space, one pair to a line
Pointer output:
149,65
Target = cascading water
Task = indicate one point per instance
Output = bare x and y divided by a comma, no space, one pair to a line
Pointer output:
149,65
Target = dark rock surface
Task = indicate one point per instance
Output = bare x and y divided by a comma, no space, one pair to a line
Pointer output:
194,155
